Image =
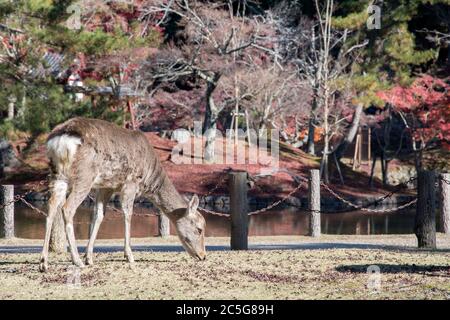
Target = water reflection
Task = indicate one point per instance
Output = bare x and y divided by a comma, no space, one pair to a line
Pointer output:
285,221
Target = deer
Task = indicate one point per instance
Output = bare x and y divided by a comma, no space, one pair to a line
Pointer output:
92,154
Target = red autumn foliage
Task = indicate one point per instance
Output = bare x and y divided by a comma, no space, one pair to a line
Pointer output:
426,102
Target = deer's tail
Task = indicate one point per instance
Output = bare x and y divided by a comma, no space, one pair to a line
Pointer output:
61,150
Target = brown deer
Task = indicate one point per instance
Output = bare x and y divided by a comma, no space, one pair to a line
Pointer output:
90,154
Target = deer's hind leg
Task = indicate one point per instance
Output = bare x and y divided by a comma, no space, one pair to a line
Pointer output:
101,201
127,196
69,209
57,199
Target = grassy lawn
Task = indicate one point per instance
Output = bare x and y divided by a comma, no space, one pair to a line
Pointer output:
332,267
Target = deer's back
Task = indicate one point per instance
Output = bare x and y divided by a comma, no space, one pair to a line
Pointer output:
116,155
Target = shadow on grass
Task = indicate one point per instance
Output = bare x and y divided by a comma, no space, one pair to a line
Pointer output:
398,268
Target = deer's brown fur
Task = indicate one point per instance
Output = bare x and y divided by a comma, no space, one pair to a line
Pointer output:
90,154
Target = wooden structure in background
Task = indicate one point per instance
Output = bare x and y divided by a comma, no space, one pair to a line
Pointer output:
120,92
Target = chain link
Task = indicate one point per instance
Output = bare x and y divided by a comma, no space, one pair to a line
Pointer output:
354,206
21,197
444,180
120,211
222,179
219,184
33,207
14,200
259,211
255,212
276,203
362,208
214,213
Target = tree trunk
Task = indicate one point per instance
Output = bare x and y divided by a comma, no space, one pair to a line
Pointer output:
383,168
326,146
372,170
324,166
2,166
316,86
132,115
210,122
58,235
444,203
210,144
425,222
417,155
11,104
351,134
311,132
311,127
385,172
448,47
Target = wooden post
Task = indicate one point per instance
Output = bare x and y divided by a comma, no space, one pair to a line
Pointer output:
425,222
314,203
163,225
238,210
444,203
7,211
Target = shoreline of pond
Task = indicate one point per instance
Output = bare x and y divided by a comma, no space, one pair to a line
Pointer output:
221,202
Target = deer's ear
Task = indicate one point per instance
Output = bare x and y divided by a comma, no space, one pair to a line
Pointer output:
193,204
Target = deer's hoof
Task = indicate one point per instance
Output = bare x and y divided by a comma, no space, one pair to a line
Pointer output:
132,265
43,267
79,264
88,261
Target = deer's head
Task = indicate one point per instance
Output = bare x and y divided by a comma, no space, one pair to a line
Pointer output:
191,230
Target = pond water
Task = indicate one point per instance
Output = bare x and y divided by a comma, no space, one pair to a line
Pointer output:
284,221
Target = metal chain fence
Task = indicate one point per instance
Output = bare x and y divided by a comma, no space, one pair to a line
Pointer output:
298,179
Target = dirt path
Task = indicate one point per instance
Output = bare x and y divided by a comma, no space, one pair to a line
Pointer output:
332,267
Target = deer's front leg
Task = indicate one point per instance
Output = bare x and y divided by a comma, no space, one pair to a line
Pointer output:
101,201
127,200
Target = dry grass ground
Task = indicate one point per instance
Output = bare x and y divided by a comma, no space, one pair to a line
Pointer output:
332,267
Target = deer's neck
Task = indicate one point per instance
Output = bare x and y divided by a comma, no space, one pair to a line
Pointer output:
167,198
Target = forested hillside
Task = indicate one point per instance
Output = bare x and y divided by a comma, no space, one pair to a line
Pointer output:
316,70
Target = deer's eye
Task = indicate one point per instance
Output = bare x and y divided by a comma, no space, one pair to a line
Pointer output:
199,230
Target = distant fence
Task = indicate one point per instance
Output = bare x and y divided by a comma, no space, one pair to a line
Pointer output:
431,189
